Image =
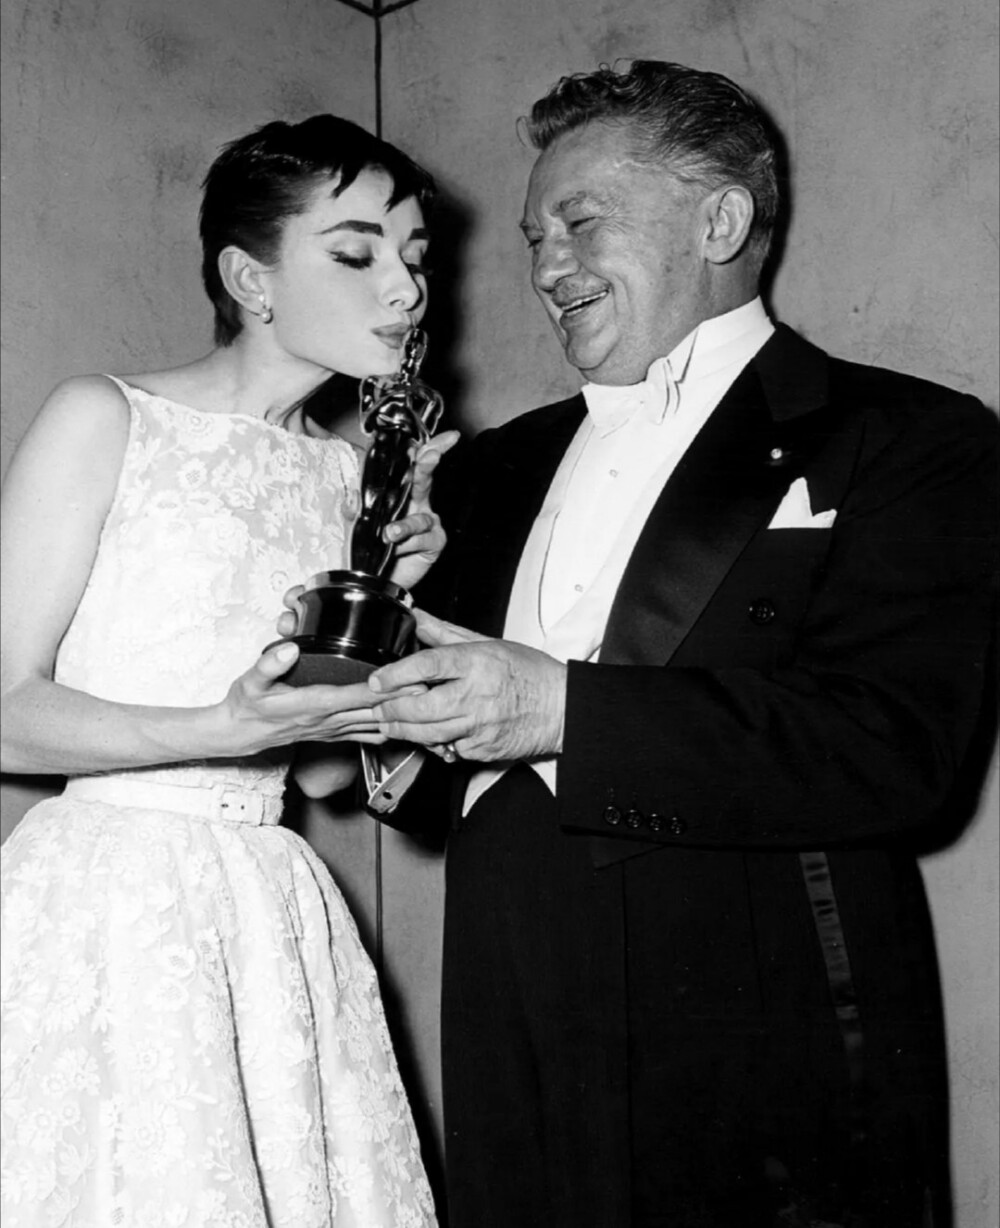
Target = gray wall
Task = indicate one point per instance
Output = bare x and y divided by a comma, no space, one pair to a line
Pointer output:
112,109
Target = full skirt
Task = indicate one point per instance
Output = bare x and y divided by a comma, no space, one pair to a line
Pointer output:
192,1033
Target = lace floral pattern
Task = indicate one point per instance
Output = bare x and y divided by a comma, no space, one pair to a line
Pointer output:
215,517
192,1033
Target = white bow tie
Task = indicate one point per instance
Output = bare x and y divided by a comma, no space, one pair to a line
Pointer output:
612,405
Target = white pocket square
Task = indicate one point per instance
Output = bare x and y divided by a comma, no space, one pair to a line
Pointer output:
795,511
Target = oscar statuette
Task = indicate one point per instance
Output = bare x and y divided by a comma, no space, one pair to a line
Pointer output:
351,622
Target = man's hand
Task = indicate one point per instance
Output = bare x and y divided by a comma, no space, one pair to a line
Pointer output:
492,700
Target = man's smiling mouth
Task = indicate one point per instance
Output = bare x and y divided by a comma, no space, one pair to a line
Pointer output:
577,305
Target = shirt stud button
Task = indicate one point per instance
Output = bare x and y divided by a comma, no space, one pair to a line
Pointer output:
777,454
761,611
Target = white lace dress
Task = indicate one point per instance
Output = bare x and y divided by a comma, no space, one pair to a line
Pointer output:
192,1033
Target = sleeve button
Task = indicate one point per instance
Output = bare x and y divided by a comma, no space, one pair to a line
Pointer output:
612,816
677,827
656,822
634,818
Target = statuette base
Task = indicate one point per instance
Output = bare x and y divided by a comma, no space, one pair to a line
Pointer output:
350,623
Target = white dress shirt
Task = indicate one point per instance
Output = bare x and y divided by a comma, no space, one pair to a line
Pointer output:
604,489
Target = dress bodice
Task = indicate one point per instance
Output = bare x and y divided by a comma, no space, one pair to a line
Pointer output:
214,518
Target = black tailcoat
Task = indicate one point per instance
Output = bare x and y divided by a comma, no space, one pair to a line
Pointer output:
699,986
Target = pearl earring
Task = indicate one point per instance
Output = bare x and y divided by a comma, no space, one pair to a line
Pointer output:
266,314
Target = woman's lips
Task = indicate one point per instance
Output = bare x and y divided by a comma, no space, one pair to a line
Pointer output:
392,334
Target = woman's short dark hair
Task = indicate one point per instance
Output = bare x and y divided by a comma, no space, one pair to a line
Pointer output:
700,125
261,180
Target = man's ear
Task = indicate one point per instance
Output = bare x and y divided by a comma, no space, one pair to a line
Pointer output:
729,219
240,275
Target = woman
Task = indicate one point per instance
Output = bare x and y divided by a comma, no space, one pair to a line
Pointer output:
192,1033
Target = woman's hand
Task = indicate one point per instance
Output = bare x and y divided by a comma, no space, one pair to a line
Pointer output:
288,619
261,711
418,537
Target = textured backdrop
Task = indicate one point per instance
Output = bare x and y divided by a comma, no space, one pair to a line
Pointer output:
112,110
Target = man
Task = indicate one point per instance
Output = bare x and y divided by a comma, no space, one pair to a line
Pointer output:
689,976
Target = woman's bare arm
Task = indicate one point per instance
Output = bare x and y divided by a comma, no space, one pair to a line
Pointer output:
56,497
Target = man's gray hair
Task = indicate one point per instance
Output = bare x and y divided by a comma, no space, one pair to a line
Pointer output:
700,125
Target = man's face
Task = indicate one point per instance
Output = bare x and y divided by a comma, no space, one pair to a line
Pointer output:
616,253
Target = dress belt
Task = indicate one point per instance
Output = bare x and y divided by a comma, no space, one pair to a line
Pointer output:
221,803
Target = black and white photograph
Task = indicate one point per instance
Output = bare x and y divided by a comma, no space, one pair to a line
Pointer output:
499,554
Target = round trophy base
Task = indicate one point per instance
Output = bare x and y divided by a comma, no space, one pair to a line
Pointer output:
323,668
350,624
317,664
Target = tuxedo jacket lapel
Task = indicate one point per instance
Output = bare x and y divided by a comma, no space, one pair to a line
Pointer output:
727,486
504,512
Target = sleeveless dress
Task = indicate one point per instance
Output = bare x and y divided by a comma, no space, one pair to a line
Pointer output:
192,1032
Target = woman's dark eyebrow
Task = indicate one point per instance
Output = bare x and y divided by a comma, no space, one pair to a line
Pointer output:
365,228
371,228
